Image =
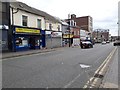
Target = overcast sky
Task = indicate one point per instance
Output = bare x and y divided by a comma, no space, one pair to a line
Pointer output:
103,12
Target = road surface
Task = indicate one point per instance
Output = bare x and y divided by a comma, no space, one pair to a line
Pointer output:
56,69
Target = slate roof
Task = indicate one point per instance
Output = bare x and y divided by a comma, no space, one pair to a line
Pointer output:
25,7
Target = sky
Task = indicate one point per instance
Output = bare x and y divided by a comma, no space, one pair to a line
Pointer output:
103,12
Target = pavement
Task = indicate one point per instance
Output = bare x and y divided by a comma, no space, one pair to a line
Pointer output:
28,52
111,77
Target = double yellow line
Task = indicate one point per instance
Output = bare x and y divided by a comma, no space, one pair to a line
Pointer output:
95,82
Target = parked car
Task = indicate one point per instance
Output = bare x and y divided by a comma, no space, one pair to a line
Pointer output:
116,43
103,42
86,44
107,41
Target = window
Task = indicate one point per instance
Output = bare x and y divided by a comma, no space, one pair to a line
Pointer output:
24,20
58,27
75,32
50,26
38,23
72,22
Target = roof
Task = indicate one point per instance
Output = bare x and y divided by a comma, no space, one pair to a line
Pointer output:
25,7
62,21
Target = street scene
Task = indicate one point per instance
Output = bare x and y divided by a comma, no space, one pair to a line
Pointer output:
43,48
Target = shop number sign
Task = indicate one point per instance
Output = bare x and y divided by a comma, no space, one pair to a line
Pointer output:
25,30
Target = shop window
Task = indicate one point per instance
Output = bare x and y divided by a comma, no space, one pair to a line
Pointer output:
37,42
21,42
24,20
38,23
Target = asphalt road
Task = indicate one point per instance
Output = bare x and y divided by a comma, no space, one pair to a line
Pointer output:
56,69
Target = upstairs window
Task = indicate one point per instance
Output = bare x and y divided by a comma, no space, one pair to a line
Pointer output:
58,27
38,23
50,26
24,20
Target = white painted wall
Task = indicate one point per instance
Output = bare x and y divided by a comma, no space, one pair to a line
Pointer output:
54,25
32,19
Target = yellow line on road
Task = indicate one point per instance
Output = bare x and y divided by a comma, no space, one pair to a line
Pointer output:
92,79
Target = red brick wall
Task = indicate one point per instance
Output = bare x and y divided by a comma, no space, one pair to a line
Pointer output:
82,22
76,33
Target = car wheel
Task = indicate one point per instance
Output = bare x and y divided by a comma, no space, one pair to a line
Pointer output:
92,46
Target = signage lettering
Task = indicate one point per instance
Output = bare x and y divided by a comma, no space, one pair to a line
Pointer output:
25,30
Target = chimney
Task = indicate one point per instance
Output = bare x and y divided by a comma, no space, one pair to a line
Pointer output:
73,16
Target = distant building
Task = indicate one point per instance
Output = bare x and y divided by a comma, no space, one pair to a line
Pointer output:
74,32
85,22
100,35
80,23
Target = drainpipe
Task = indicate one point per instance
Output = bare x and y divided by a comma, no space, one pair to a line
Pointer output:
14,49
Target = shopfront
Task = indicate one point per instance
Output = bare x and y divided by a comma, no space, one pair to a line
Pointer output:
26,38
67,39
53,39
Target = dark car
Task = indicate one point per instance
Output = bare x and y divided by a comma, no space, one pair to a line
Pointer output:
86,44
116,43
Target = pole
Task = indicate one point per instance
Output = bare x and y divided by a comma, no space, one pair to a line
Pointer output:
118,32
69,36
97,35
51,38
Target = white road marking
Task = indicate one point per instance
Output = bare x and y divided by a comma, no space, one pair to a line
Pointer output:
66,86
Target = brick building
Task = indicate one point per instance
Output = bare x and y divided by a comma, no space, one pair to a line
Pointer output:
85,22
74,31
80,23
100,35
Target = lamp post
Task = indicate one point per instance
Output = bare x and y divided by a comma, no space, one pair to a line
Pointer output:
50,26
118,30
97,35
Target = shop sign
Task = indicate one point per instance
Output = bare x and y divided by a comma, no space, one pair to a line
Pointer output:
67,36
4,27
56,34
26,30
48,32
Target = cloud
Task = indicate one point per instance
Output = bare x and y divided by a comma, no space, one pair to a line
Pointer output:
104,12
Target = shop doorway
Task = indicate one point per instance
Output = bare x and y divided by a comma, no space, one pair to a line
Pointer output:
32,42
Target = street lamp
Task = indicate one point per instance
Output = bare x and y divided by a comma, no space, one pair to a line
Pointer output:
118,30
97,35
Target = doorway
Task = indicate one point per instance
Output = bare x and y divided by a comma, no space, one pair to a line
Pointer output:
32,42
